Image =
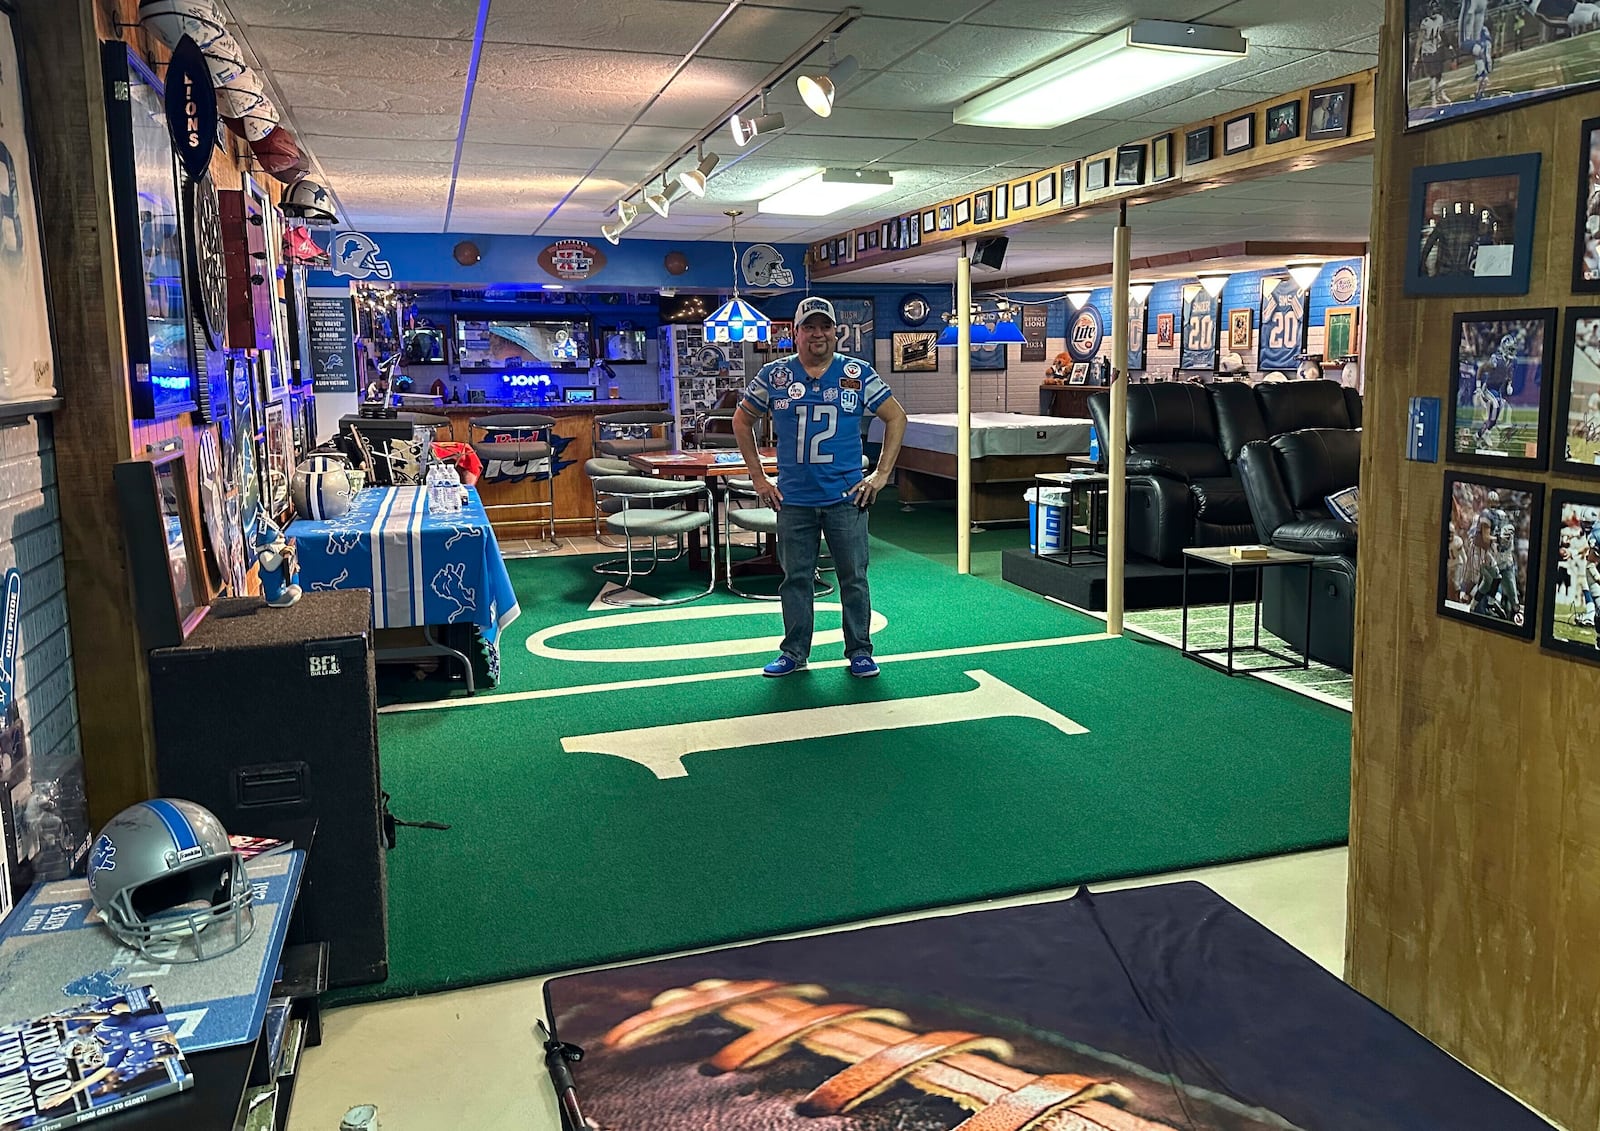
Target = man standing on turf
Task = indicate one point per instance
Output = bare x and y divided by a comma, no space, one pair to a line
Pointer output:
818,399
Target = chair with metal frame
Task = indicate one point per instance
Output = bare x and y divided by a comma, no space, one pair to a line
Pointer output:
521,437
432,420
761,521
632,432
603,505
705,437
650,508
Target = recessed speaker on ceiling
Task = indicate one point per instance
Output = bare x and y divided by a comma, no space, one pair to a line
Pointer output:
990,253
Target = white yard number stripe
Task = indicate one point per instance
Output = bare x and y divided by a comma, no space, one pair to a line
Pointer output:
829,415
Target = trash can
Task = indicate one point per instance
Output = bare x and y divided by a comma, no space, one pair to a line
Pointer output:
1053,520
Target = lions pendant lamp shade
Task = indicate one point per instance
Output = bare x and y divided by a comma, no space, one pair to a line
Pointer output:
736,320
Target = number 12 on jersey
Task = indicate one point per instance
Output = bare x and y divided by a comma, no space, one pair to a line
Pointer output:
826,418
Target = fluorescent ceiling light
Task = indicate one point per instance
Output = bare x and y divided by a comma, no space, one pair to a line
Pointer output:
827,191
817,91
745,130
1146,56
694,180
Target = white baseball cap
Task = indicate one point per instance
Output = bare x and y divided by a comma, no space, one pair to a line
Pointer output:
811,307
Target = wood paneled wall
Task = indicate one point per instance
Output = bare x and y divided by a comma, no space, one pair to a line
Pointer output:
1475,813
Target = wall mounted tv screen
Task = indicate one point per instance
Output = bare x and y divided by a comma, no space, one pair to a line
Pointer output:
623,345
485,344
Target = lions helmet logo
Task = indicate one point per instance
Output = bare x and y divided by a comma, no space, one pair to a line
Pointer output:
356,255
103,857
1085,334
762,265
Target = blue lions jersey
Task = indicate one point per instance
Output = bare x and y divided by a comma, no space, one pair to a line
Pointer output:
1282,328
817,424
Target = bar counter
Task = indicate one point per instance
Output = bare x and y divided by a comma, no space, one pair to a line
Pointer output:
574,437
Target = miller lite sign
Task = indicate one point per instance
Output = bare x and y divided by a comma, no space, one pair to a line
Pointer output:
572,261
1085,332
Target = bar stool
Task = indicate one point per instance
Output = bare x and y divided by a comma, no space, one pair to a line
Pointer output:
532,440
434,421
632,432
649,509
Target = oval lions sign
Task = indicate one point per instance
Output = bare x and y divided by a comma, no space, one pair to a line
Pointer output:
1085,332
572,261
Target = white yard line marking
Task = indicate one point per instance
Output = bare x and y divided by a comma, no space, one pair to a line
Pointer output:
740,673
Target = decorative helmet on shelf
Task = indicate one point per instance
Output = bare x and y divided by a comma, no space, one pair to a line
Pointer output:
308,199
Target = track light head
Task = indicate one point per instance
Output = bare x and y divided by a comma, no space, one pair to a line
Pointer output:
694,180
817,91
613,231
746,130
627,210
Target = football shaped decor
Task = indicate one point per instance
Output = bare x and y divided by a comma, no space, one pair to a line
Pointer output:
171,20
241,92
466,253
676,263
280,155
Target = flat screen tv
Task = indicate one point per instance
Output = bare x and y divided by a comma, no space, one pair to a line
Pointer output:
502,344
623,345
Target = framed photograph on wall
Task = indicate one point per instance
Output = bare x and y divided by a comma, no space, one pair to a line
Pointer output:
913,352
27,352
983,206
1536,62
1572,582
1021,195
1069,185
1130,165
1044,189
861,242
1239,328
1586,231
1489,551
886,234
1283,122
1239,134
1164,331
1161,159
963,211
915,222
946,217
162,536
929,223
1500,387
1577,412
1097,174
905,231
1330,112
1197,146
1002,203
148,226
1471,227
1341,332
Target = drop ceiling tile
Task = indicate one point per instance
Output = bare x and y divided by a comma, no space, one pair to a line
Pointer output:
961,153
996,52
902,90
438,19
377,148
847,121
427,97
1307,71
669,26
1272,23
402,57
527,67
703,93
365,167
1092,17
824,151
370,125
505,130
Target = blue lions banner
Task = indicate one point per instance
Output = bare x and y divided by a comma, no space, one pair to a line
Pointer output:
422,568
1283,325
1199,346
856,336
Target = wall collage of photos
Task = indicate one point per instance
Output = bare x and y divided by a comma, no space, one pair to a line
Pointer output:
1524,393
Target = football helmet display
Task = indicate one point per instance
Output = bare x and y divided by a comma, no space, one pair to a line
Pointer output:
308,199
168,884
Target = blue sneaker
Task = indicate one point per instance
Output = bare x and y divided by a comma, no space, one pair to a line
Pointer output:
783,665
863,667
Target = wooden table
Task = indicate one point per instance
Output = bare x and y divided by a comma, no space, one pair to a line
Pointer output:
715,466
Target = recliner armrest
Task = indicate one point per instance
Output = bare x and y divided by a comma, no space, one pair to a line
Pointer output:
1332,536
1154,465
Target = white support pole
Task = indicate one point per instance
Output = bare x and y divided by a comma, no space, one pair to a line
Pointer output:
963,414
1116,444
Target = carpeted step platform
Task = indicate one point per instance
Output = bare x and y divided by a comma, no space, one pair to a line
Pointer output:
1147,586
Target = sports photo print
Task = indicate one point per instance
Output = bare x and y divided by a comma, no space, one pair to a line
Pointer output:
1500,397
1572,589
1489,557
1578,400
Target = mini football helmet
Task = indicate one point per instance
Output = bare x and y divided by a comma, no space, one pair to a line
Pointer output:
308,200
168,884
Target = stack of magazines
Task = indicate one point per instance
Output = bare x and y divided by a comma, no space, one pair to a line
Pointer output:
87,1061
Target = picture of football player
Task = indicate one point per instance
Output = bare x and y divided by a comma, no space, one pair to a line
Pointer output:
116,1052
1495,378
1430,58
1496,594
1579,553
1482,61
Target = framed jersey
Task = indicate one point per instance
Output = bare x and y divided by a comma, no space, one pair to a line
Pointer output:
1138,309
1283,325
1200,313
857,336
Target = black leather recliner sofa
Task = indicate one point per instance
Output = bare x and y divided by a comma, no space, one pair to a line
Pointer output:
1287,480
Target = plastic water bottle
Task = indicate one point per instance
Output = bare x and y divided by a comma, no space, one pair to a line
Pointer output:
453,491
437,503
1094,444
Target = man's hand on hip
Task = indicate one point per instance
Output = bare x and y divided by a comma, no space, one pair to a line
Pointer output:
767,491
866,491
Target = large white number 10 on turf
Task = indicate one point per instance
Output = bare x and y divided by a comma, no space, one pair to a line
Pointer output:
828,416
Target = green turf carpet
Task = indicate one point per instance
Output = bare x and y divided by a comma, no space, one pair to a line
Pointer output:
734,824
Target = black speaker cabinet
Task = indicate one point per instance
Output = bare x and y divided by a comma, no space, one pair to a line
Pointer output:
271,716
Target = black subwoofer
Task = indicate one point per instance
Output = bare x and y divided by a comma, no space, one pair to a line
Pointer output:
271,716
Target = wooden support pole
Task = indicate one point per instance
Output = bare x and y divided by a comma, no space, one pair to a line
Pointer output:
963,413
1116,444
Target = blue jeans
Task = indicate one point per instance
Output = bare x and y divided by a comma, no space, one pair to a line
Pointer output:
799,528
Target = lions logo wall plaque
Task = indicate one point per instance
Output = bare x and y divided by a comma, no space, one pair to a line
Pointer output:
1085,332
355,254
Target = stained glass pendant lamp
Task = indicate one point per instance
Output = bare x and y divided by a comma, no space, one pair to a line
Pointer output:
736,320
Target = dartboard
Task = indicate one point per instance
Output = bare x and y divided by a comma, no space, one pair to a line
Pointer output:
207,269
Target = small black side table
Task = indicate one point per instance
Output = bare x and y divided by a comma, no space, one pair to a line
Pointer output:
1097,485
1221,557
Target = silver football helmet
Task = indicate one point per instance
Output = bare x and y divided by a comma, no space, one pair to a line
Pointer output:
167,883
308,200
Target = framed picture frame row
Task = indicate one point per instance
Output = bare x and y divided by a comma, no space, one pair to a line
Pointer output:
1496,534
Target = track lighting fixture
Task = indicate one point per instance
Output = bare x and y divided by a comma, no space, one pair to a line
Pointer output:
693,181
660,202
746,130
817,90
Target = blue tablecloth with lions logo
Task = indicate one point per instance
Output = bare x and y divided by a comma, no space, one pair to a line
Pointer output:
422,568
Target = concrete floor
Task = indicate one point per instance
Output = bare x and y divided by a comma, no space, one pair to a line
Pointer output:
470,1060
